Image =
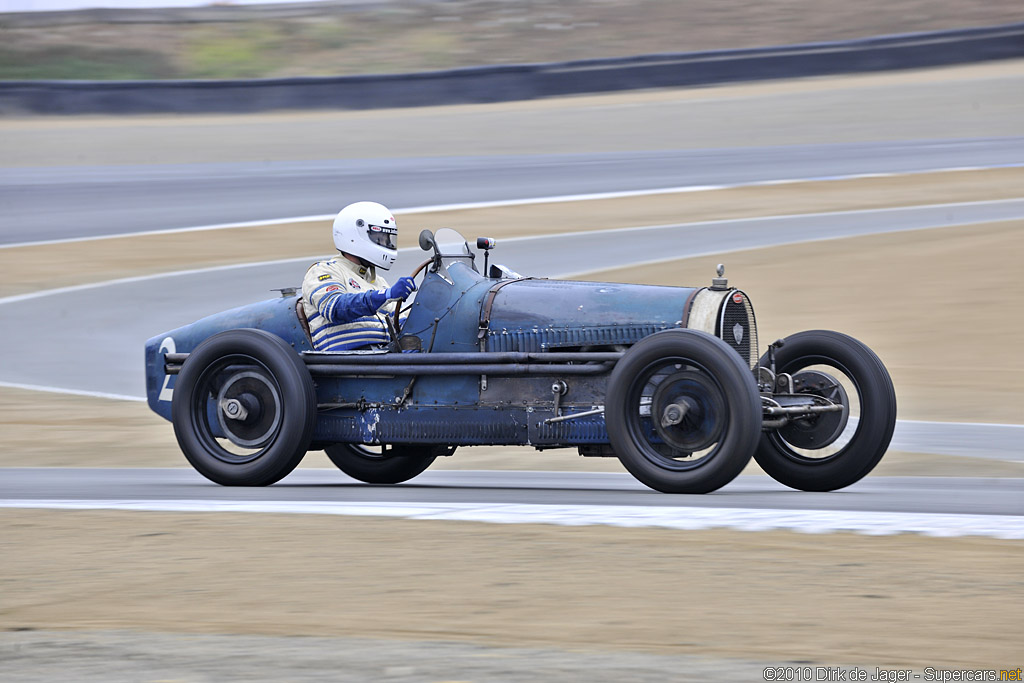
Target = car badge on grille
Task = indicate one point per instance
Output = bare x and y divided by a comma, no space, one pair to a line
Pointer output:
737,333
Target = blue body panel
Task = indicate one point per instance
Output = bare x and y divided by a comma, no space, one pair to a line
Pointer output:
525,315
274,315
545,315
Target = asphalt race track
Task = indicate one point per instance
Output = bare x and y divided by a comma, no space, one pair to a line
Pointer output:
956,495
97,200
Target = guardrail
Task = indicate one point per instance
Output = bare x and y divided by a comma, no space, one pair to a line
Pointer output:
514,82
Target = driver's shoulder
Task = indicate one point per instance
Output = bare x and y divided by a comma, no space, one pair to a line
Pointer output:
324,264
321,273
334,266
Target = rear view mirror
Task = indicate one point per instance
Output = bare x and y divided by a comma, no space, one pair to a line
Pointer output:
427,241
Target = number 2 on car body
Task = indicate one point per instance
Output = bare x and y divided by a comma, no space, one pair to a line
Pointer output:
166,391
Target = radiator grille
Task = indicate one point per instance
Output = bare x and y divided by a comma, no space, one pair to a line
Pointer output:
737,326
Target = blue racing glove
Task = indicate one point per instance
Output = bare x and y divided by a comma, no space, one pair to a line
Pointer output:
401,289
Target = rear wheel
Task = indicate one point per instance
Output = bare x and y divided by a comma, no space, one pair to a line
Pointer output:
683,412
244,408
833,450
383,464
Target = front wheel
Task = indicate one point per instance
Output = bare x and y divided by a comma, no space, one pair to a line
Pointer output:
683,412
383,464
833,450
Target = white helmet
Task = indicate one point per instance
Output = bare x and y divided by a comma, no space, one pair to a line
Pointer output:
367,230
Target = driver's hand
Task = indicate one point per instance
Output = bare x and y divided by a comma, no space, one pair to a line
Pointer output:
402,289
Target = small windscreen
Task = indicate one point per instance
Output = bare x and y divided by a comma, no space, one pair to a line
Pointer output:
453,247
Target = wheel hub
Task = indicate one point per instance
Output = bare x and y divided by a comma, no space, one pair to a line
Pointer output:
249,409
234,410
676,412
687,411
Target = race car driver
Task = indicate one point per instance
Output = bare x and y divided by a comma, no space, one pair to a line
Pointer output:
345,300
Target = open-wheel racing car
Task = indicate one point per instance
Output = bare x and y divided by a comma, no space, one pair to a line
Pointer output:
667,379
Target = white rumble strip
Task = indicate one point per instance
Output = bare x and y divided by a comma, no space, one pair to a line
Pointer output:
744,519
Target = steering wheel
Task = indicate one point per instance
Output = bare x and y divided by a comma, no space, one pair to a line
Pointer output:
398,305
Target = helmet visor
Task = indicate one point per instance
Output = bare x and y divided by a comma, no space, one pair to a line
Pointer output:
382,236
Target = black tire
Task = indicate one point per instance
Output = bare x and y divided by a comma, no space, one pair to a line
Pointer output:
262,372
388,465
855,458
723,412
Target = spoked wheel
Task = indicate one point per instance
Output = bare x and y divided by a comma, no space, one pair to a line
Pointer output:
683,412
244,408
383,464
832,450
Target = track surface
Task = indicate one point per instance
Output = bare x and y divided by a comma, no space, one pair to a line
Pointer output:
880,494
84,201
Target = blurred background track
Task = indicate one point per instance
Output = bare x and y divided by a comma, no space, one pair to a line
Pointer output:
88,176
390,36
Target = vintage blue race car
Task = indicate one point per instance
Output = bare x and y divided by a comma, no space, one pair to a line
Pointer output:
667,379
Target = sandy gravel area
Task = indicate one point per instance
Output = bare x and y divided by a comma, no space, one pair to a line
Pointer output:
120,656
774,595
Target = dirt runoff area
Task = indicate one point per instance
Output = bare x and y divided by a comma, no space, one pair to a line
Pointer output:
776,596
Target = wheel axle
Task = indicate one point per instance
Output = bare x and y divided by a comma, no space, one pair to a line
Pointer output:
234,410
674,413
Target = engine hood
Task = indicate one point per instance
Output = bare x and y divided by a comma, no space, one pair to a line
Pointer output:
536,315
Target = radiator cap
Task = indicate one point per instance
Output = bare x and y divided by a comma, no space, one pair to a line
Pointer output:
720,282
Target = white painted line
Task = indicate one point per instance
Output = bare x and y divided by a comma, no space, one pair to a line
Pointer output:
154,276
743,519
587,197
72,392
517,202
174,231
930,423
714,252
